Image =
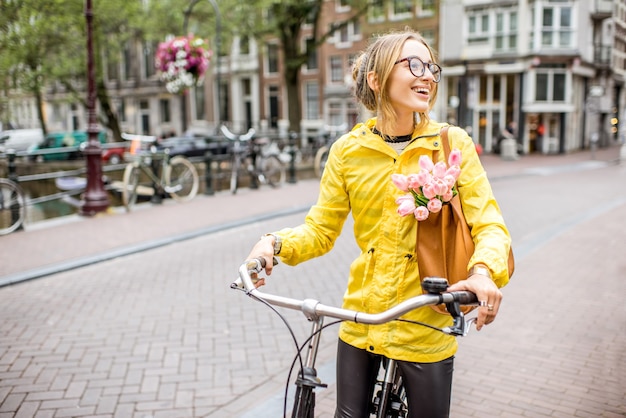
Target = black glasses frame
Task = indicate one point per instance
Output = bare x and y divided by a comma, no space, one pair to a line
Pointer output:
434,69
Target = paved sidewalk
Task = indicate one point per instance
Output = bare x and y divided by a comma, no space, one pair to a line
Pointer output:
59,244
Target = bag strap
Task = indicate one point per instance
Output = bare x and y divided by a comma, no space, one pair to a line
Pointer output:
445,142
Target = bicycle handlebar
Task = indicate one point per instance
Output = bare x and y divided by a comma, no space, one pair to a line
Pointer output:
135,137
235,137
313,309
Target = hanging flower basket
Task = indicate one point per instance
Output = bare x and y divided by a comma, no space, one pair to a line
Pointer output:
182,62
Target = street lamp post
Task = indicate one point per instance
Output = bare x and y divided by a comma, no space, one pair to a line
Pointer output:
95,198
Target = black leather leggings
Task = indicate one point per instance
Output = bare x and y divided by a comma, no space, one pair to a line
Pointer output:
428,385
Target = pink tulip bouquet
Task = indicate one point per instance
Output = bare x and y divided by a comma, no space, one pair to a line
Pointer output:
182,62
431,188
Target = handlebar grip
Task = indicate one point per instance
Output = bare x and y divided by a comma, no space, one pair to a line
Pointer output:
254,265
465,297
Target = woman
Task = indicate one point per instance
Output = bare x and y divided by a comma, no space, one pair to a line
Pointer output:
396,77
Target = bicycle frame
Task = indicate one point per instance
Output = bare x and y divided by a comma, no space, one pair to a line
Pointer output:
145,164
314,311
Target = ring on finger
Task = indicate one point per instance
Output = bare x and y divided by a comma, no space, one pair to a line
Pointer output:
482,303
490,308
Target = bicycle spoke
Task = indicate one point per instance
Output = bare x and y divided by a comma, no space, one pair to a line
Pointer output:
130,185
181,179
12,207
272,171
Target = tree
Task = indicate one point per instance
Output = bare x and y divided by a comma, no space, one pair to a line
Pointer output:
31,34
285,20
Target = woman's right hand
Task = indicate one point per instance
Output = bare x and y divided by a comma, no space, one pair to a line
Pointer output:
264,248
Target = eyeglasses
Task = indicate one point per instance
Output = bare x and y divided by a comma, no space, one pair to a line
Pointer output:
418,67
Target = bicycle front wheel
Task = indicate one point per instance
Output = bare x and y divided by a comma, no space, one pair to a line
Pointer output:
12,207
321,156
182,180
130,185
272,171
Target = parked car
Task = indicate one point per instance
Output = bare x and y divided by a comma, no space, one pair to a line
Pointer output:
194,146
113,155
20,139
60,140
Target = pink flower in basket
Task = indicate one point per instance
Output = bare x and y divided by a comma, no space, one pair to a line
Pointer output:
431,188
182,62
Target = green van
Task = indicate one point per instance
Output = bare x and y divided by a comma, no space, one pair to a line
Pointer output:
61,140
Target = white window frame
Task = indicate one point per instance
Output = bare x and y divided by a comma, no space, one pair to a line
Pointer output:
550,73
554,29
507,31
311,103
269,45
402,15
376,12
479,34
425,11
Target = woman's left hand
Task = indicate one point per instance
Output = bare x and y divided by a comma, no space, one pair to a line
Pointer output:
487,292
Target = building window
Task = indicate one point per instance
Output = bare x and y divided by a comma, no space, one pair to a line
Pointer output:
478,27
128,58
311,51
273,106
402,9
376,11
244,45
164,109
550,85
148,59
556,26
336,69
272,58
200,103
344,36
121,110
312,101
425,8
342,6
506,30
144,117
113,65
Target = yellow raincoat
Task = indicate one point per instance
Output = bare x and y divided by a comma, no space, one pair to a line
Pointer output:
357,179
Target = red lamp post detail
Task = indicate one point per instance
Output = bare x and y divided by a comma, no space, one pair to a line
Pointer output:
95,198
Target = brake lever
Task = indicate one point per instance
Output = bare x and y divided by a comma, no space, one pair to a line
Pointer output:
460,327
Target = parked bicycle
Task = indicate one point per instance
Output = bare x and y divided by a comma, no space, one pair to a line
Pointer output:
153,171
12,206
388,398
331,133
257,157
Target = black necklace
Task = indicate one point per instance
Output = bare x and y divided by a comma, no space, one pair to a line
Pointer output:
387,138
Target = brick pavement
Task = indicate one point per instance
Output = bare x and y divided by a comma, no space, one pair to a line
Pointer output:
157,334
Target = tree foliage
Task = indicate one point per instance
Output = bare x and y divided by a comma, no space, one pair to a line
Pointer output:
43,42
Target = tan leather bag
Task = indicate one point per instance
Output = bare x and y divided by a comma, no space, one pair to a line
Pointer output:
444,243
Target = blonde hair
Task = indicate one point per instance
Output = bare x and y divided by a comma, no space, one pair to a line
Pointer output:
380,57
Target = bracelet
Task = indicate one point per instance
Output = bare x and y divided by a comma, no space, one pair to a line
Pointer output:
483,271
278,243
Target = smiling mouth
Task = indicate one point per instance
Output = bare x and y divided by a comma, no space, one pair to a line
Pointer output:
421,90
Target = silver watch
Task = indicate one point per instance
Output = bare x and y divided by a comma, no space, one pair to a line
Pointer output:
278,243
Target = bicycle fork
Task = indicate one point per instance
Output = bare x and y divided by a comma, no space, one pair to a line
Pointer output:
307,381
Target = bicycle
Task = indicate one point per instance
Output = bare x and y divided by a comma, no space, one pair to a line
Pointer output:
330,135
12,206
177,176
388,398
259,158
